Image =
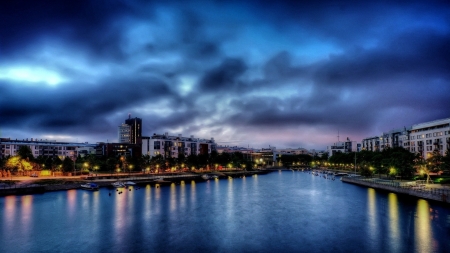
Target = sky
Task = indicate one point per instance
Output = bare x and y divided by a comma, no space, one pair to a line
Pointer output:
287,74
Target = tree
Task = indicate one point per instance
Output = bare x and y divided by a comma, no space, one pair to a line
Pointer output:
16,163
67,164
24,152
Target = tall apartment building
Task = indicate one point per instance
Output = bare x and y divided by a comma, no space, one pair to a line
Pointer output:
422,138
131,131
124,133
426,137
171,146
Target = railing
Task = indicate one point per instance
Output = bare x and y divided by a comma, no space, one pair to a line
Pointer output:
411,186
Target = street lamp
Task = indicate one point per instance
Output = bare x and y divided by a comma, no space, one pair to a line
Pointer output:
130,167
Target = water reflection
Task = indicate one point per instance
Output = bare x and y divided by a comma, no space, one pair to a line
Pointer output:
173,198
9,213
25,216
253,214
182,195
372,208
394,236
71,203
120,217
193,192
422,228
148,202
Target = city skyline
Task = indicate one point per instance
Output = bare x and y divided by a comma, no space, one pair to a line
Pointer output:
283,74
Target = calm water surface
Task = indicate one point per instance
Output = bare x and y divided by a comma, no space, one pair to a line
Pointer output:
283,211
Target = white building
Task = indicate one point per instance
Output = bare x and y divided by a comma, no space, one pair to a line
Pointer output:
124,133
421,138
343,147
47,148
171,146
429,136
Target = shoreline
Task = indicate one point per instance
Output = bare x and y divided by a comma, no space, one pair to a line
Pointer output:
441,195
105,181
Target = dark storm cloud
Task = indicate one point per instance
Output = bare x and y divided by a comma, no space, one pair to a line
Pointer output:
71,105
221,65
225,76
89,24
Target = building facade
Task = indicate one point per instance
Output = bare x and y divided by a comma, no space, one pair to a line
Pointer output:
422,138
118,150
135,130
347,146
47,148
426,137
124,133
172,146
130,131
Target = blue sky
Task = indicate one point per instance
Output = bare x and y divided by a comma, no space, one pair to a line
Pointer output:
248,73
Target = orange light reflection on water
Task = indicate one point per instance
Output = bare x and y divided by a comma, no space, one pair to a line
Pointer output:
10,212
120,216
71,203
26,215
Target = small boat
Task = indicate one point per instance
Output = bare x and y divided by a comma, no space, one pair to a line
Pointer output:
129,183
340,174
118,184
206,177
90,186
159,179
215,176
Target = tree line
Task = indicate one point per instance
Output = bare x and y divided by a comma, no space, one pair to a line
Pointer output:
24,162
391,162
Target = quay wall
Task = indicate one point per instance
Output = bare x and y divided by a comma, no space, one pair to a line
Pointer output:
439,195
105,181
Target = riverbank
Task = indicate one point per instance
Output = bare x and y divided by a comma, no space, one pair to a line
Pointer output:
430,192
42,185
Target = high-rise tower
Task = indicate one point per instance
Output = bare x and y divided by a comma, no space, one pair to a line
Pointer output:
135,129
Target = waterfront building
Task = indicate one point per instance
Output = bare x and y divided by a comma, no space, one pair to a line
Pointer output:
118,150
426,137
371,143
172,146
48,148
346,146
422,138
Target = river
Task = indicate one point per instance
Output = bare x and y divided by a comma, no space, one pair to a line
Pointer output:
284,211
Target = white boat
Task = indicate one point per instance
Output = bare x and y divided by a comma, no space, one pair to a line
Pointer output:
206,177
159,179
90,186
129,183
118,184
215,176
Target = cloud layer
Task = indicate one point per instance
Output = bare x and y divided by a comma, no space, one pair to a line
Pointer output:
283,74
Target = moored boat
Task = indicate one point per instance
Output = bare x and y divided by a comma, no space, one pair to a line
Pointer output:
129,183
118,184
90,186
